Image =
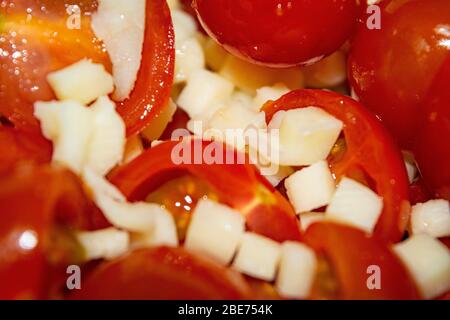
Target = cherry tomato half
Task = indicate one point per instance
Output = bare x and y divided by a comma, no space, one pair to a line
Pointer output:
36,41
239,186
354,258
391,69
366,152
279,32
162,274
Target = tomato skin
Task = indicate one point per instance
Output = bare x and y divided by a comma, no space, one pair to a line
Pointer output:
369,148
162,274
392,69
431,145
351,252
279,32
238,185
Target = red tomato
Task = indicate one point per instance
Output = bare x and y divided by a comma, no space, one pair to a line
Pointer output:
418,192
36,41
279,32
17,145
365,153
351,253
432,143
162,274
238,185
391,69
38,205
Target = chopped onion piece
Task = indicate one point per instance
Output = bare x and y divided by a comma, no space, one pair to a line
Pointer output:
428,261
432,218
106,243
355,204
258,257
297,270
311,188
215,230
83,81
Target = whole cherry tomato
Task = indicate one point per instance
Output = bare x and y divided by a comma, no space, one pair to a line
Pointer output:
36,41
391,69
353,258
279,32
161,274
366,153
432,143
239,186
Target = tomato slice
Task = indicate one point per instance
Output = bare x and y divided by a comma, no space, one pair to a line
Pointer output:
151,92
238,185
37,41
161,274
366,153
351,253
432,145
39,205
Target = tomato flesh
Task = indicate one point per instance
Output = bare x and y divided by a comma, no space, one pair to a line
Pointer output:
392,69
279,32
367,153
350,253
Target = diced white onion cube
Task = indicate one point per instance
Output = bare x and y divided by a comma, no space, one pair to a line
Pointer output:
265,94
249,77
121,26
68,124
107,141
297,270
307,135
428,261
83,81
106,243
308,218
215,230
311,187
83,137
184,26
205,93
355,204
163,232
189,57
432,218
258,257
